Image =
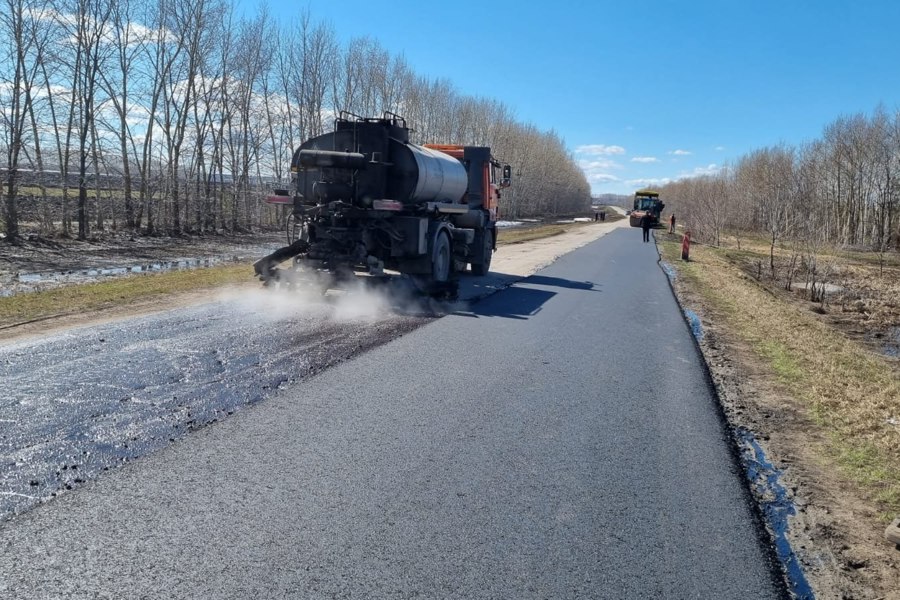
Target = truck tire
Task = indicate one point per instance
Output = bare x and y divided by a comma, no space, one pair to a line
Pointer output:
441,258
487,250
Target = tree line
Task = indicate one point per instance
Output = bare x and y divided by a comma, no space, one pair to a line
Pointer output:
842,189
177,116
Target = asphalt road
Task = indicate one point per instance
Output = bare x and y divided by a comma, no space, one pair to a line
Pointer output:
555,440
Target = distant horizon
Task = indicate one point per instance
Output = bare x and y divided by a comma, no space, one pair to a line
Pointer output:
647,94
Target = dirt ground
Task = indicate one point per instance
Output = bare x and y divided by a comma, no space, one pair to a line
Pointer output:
837,531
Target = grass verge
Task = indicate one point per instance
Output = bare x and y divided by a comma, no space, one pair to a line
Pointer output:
117,292
850,393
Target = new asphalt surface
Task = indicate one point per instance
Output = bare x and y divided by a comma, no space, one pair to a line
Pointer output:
555,440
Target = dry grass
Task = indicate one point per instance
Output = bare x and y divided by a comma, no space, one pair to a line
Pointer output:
850,392
867,299
116,292
518,236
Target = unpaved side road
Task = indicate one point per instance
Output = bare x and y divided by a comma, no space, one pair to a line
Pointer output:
79,401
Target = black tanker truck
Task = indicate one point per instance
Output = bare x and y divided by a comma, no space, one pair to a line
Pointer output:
364,199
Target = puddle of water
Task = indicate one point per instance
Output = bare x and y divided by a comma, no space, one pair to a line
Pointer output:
889,341
696,326
777,508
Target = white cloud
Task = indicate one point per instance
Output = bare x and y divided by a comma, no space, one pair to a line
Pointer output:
719,148
598,164
599,150
649,182
601,178
680,152
710,169
597,170
645,159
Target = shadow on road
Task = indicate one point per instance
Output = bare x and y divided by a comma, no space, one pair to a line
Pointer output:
560,282
517,303
519,300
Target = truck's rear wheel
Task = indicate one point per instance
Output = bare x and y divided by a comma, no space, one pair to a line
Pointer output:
441,258
487,250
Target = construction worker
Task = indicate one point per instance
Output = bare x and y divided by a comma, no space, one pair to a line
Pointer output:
646,221
672,223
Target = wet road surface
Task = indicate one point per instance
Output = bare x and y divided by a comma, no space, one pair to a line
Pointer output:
541,444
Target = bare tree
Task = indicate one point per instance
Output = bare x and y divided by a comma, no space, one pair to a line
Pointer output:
87,25
26,38
190,26
127,40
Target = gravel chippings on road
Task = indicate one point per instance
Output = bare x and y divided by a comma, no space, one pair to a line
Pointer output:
86,400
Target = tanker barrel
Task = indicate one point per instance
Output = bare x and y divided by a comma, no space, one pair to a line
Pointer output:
440,177
332,160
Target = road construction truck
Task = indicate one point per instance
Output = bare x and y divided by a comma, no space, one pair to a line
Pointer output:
645,201
364,199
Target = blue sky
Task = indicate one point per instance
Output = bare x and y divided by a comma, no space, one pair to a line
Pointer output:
645,91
